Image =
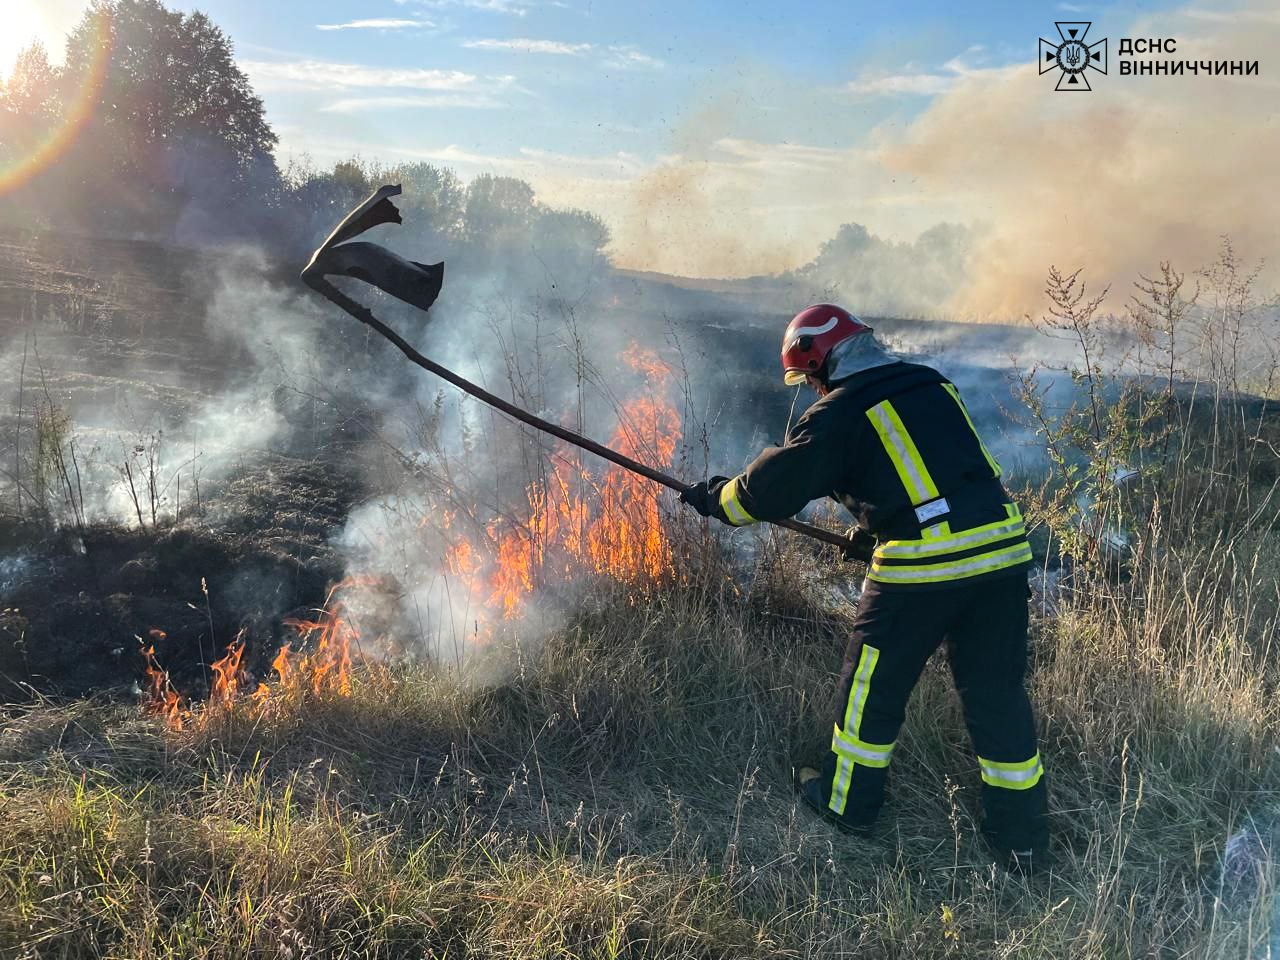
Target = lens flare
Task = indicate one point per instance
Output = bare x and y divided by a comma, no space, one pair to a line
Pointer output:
77,113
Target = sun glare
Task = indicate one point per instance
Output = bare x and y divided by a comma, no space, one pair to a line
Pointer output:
19,27
23,22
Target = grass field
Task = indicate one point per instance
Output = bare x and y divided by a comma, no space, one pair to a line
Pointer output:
621,786
623,792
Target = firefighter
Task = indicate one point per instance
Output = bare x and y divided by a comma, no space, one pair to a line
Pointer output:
946,553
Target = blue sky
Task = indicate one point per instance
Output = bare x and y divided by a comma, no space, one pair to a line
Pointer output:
586,77
595,78
727,139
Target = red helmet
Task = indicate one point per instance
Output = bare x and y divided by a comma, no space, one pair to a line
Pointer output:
811,336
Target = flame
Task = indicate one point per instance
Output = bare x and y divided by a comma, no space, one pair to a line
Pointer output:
281,664
261,695
228,676
579,521
328,665
160,697
326,669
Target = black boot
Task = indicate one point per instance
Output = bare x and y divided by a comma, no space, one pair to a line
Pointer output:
1030,862
815,791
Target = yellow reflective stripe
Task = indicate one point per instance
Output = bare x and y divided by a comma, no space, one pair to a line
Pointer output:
952,569
840,784
965,539
903,452
1022,775
852,724
732,506
955,394
867,661
859,751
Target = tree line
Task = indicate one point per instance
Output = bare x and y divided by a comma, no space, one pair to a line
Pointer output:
150,129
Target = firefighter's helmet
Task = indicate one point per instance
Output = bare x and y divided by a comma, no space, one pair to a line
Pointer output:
811,336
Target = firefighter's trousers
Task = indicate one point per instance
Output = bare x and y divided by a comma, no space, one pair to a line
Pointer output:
984,626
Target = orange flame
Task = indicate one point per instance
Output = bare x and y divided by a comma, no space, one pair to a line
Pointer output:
227,674
328,666
582,522
281,664
160,697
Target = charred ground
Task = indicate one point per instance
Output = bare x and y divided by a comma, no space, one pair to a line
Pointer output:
620,787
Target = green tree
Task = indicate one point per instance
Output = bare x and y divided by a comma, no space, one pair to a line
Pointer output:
31,92
497,208
435,194
170,75
30,111
176,122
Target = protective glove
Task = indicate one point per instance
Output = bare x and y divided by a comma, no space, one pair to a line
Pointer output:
704,496
862,544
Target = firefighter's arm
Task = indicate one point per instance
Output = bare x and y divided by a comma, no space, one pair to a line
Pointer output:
783,480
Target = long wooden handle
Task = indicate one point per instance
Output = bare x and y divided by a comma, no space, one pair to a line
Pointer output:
365,316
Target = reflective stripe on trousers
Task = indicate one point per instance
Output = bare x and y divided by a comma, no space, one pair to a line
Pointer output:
849,747
1021,775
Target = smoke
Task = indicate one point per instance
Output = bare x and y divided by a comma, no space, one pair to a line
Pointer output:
447,490
1142,169
130,431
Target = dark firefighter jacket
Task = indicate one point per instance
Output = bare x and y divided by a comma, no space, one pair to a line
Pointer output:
897,447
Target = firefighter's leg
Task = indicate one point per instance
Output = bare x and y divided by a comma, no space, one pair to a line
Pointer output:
988,653
893,636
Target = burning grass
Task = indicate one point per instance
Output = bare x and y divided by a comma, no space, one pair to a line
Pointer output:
621,789
580,521
320,667
625,793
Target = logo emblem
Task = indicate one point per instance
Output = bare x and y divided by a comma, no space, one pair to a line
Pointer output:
1073,56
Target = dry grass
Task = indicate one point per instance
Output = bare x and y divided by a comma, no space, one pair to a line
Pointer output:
623,792
622,787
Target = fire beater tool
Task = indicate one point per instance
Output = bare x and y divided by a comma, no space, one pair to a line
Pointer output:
419,284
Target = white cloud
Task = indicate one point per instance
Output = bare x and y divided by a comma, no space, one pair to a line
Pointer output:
917,83
1232,17
516,8
328,75
729,203
464,101
1071,8
628,57
921,84
557,47
386,23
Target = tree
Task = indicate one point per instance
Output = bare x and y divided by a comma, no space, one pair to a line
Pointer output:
31,92
170,74
570,242
496,208
30,112
176,121
435,194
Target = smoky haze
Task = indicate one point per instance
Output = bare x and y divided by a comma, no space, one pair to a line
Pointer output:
1140,169
188,364
274,376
